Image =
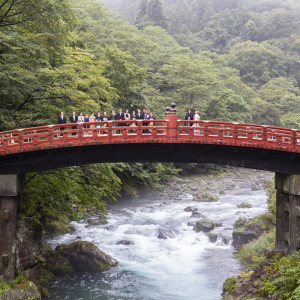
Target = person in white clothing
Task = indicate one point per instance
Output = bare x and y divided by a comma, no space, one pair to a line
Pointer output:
80,118
196,118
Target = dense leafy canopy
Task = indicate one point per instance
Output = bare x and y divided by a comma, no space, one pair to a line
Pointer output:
233,60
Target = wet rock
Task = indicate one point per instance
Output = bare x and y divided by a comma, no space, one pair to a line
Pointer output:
78,257
205,197
164,234
196,214
191,209
222,192
244,235
244,205
30,292
96,221
125,242
190,224
254,187
204,225
28,249
213,237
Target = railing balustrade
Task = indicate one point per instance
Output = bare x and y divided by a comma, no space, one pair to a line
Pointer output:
152,131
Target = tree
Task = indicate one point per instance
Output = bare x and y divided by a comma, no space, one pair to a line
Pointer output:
150,13
155,14
257,62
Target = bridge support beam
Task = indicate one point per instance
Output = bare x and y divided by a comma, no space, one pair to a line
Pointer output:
10,194
287,212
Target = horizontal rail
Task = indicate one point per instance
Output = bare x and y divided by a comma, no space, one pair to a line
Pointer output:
149,131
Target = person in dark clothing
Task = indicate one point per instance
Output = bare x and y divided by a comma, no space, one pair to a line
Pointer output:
139,115
61,120
133,115
120,116
86,120
98,119
74,119
189,116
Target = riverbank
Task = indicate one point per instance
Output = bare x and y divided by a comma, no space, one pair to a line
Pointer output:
229,178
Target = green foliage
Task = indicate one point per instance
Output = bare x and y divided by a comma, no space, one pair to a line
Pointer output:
21,281
287,279
150,13
240,222
229,285
253,253
62,190
146,175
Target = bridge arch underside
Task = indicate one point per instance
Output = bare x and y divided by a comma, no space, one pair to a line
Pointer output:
255,158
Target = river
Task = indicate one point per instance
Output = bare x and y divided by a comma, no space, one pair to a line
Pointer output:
185,266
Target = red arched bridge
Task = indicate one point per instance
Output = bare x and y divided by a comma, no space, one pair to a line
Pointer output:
246,145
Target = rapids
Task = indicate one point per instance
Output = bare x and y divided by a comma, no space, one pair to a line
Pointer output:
186,265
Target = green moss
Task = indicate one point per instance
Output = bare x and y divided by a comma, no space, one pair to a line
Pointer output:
229,285
55,228
46,276
20,282
240,222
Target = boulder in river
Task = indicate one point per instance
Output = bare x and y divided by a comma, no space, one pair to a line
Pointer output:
164,234
244,235
244,205
125,242
191,209
205,197
96,221
204,225
196,214
78,257
213,237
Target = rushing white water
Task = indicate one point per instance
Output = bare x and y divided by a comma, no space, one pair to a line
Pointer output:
186,265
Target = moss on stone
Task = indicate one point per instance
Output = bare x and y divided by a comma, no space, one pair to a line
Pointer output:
229,285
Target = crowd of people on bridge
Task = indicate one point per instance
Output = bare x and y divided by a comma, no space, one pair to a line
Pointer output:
120,115
90,120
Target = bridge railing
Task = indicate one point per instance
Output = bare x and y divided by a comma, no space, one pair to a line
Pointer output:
211,132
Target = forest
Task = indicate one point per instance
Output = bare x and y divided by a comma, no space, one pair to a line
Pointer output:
233,60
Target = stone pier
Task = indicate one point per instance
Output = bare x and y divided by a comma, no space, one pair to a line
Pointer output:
288,212
10,198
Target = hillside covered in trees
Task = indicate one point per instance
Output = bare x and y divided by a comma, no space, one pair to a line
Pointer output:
233,60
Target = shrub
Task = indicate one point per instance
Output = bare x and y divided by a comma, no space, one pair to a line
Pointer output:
287,279
253,253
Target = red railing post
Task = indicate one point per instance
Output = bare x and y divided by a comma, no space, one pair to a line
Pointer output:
50,133
265,133
79,131
20,139
173,124
109,126
294,139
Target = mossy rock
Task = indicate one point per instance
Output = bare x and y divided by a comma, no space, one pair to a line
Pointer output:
244,205
80,256
229,285
205,197
57,228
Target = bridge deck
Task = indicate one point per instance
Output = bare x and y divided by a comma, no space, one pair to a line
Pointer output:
149,131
